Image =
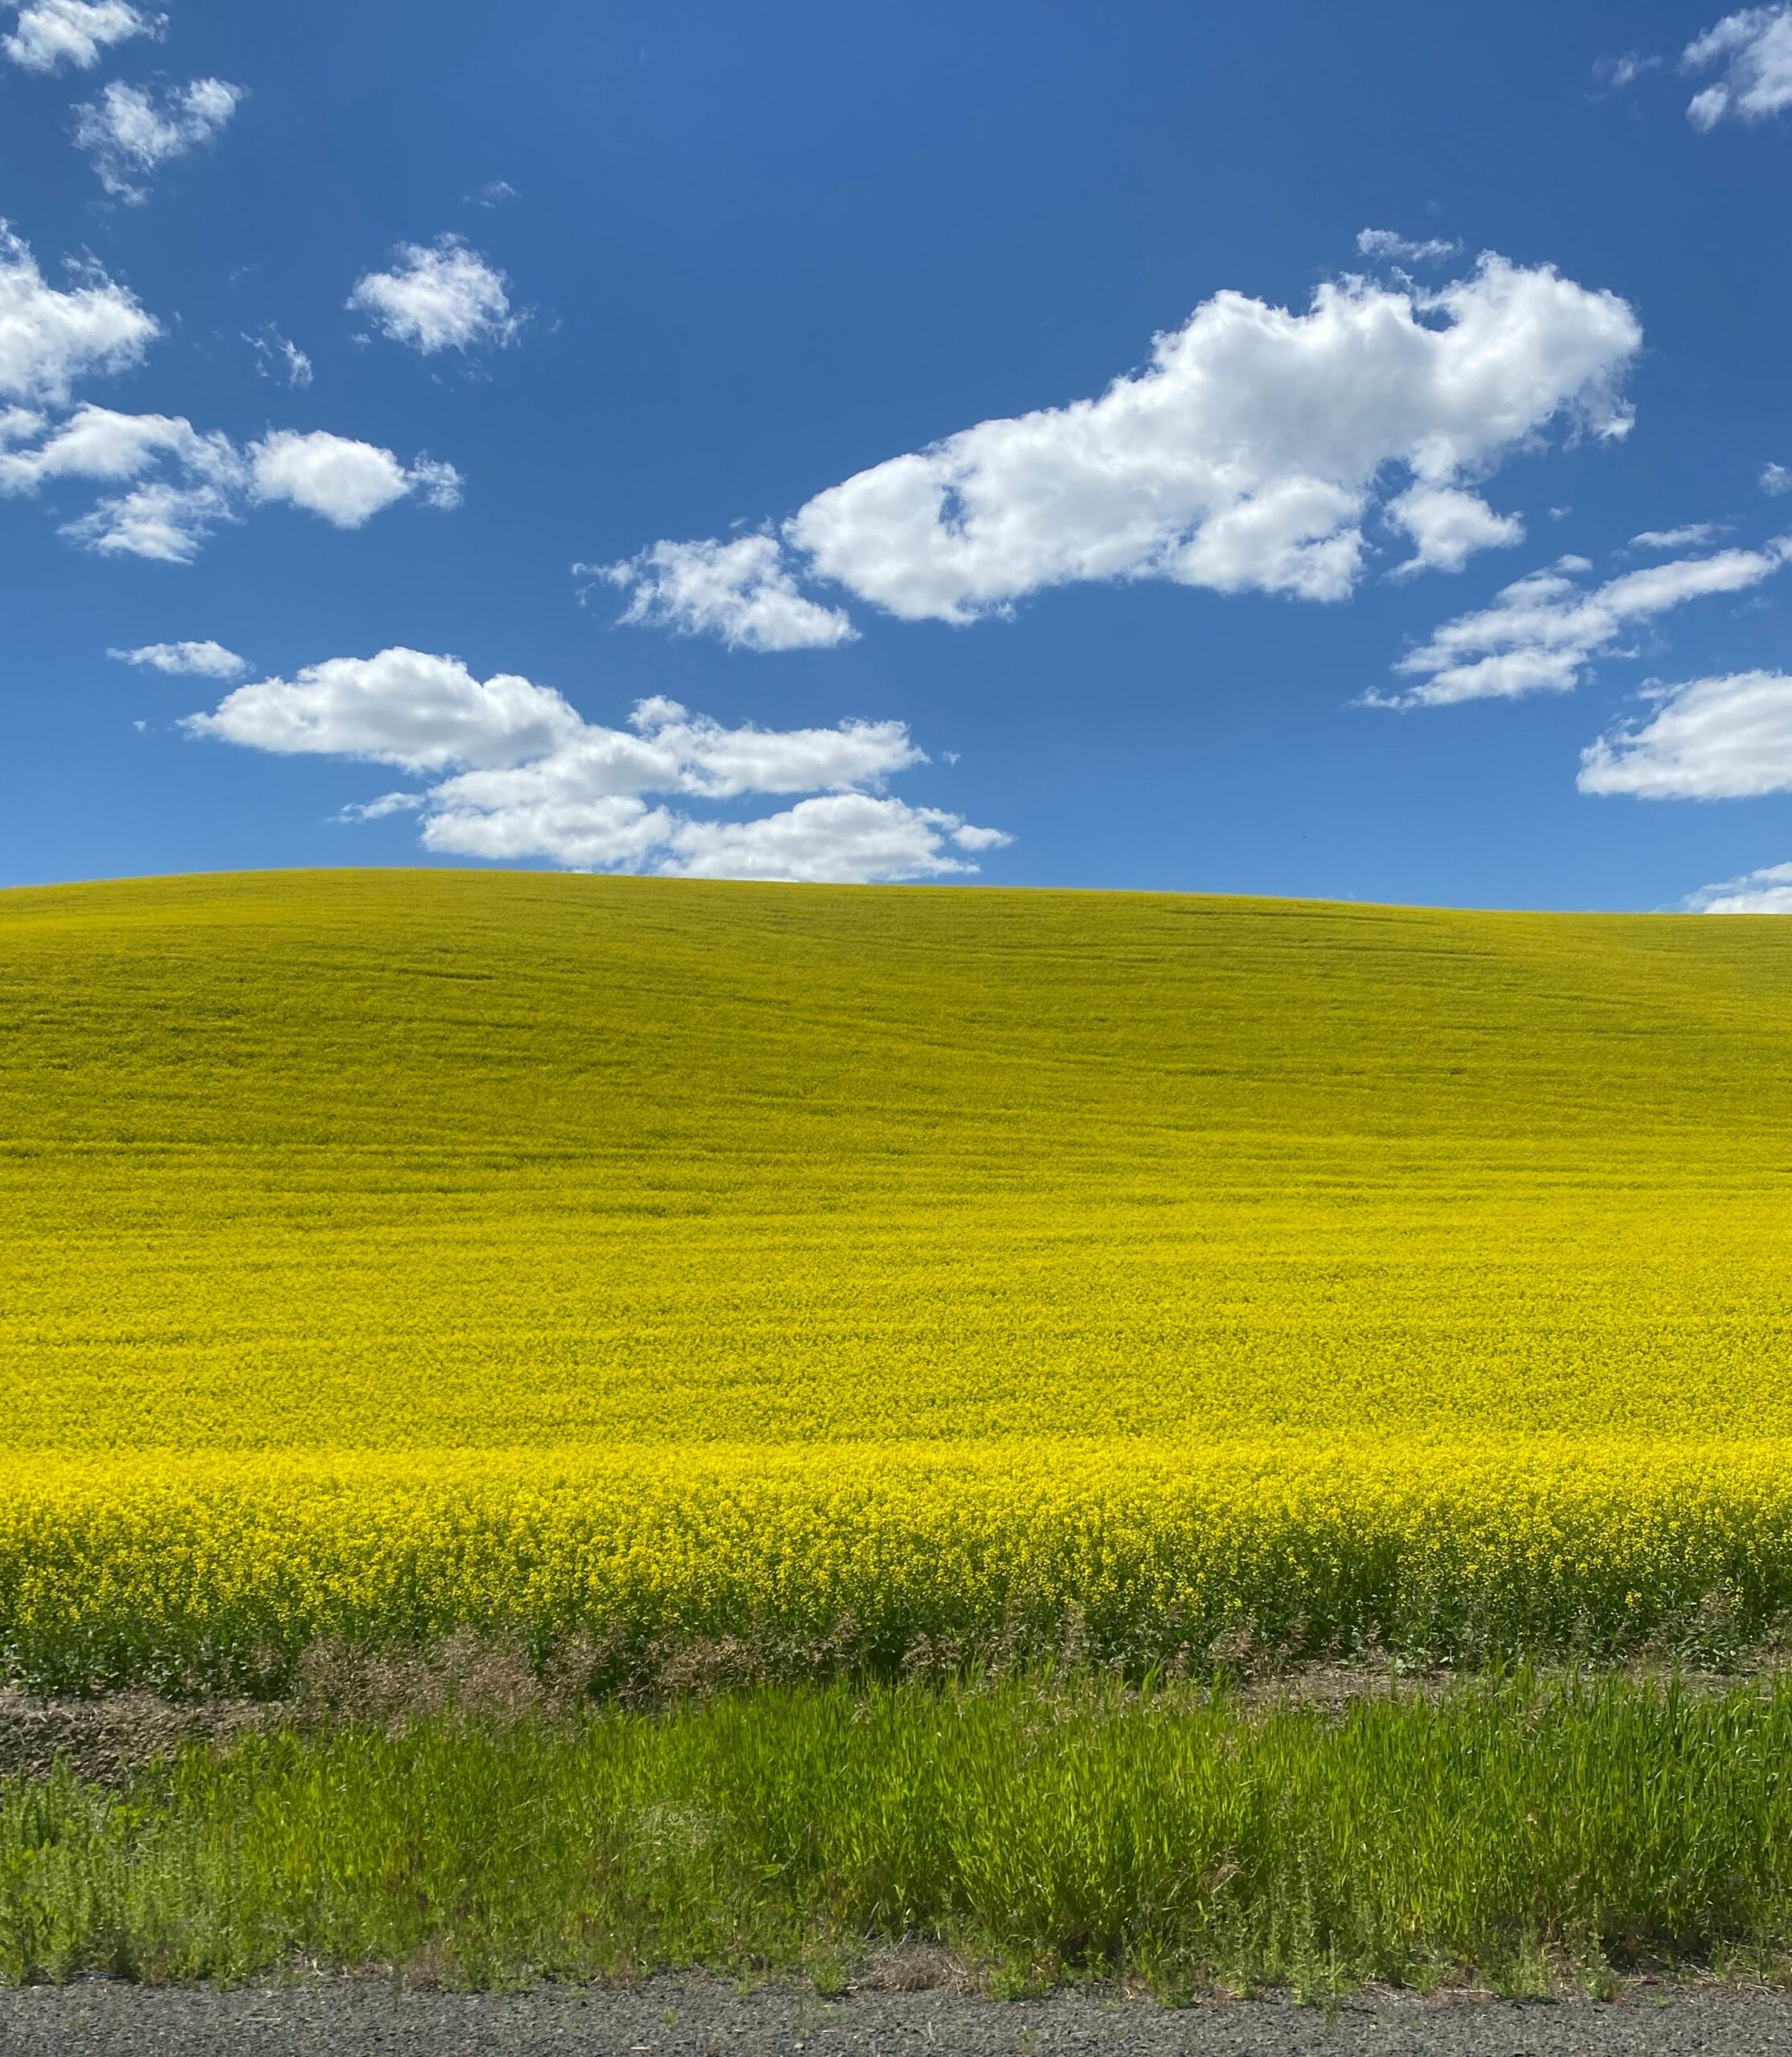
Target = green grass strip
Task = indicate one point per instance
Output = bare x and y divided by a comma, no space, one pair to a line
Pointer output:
1041,1829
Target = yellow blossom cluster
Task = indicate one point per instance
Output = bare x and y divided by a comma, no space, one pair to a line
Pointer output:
221,1569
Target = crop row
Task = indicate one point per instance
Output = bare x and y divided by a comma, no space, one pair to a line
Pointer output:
193,1572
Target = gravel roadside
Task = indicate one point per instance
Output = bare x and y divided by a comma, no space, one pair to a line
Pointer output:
687,2018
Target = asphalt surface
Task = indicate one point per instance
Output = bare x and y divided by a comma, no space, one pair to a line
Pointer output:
675,2017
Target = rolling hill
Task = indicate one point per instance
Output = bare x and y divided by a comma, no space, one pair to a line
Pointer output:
422,1172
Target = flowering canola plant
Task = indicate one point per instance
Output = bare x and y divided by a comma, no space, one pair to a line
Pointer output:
858,1275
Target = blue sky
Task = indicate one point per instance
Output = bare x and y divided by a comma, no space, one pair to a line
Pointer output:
485,381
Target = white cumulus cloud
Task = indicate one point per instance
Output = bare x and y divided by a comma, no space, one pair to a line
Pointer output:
1710,739
518,773
200,660
1543,631
1246,456
182,484
167,516
1768,891
100,442
446,297
741,592
175,484
839,839
667,751
1775,480
1753,48
401,707
1448,526
49,337
52,33
344,481
129,134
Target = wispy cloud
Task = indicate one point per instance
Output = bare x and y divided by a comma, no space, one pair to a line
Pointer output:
130,133
203,659
279,357
1387,244
1542,631
1617,75
1690,535
1768,891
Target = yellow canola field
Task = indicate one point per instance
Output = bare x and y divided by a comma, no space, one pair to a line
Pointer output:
860,1273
